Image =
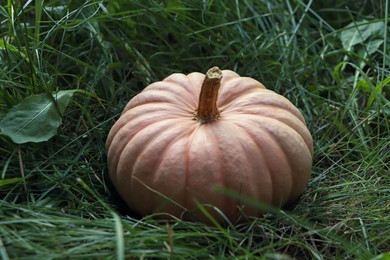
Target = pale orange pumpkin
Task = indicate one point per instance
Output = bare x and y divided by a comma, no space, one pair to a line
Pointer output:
182,138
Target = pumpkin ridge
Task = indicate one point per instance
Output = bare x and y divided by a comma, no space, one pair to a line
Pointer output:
128,143
181,110
215,143
262,99
187,167
159,160
138,132
289,173
290,170
270,107
182,85
161,96
144,113
122,125
300,127
253,143
234,88
225,103
295,191
190,94
298,133
263,153
187,160
194,190
168,142
186,82
153,126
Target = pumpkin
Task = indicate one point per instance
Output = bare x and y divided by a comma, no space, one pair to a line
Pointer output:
181,140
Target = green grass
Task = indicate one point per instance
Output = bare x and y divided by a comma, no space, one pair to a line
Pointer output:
66,207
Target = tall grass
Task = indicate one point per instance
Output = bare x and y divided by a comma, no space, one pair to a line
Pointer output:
65,206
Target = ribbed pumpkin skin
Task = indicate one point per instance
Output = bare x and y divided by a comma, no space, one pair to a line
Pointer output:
259,146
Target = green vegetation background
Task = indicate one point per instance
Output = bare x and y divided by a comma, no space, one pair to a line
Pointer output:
330,58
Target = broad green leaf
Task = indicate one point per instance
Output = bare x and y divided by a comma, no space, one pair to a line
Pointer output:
36,118
357,33
364,51
373,45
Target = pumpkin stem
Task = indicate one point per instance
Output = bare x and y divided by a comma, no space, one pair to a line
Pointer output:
207,107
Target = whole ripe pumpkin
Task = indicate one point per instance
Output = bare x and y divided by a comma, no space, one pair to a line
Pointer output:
182,138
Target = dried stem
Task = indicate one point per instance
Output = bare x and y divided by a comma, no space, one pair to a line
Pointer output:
207,107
